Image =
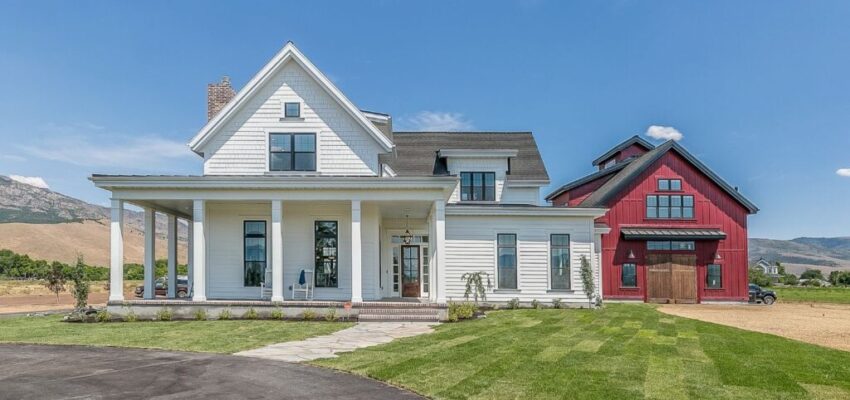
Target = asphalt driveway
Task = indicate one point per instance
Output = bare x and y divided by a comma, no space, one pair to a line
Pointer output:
62,372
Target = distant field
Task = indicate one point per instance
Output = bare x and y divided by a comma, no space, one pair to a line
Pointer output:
839,295
37,288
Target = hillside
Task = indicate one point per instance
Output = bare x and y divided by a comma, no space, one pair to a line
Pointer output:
826,254
49,225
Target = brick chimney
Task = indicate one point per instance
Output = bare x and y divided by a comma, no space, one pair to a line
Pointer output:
218,94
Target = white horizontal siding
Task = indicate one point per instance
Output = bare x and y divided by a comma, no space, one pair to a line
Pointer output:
343,147
225,247
471,247
520,195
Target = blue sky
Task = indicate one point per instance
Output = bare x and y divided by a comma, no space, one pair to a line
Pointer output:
759,90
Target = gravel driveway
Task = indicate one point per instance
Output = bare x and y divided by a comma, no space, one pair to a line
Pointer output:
63,372
823,324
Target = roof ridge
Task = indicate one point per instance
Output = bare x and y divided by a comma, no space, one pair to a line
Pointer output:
464,132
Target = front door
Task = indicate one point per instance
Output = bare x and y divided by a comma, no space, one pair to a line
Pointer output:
671,278
410,271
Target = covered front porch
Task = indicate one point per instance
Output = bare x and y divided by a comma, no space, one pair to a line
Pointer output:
261,245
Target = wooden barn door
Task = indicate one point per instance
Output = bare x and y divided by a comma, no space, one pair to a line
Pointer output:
671,278
658,281
684,278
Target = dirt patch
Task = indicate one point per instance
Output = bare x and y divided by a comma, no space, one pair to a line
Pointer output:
42,300
823,324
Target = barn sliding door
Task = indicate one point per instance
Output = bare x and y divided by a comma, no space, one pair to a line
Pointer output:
671,278
658,281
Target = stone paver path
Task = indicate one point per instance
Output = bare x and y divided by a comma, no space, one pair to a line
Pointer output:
364,334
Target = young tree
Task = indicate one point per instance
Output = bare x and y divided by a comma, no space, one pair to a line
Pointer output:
812,274
55,279
587,281
475,285
780,269
757,276
80,286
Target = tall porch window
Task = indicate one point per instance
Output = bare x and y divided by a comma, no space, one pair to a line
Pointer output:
254,252
559,253
327,260
506,256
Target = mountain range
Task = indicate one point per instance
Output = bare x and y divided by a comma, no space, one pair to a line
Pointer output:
49,225
52,226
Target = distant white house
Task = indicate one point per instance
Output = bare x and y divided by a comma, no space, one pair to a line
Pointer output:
769,269
297,178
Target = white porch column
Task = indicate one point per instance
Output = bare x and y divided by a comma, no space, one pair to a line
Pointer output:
356,254
199,264
440,244
150,253
189,259
116,251
277,250
172,256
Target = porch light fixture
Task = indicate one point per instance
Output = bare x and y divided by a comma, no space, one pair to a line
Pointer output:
717,256
407,237
631,255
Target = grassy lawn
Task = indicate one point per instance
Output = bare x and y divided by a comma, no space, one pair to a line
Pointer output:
202,336
813,294
621,352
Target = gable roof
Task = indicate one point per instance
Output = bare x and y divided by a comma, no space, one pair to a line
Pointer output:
288,53
416,152
587,179
607,191
622,146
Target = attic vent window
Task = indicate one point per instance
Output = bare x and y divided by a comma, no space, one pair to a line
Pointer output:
292,110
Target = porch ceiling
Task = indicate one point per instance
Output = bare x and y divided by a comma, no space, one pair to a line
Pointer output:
400,209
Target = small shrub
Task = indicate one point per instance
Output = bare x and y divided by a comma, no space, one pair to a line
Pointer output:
277,313
308,315
201,315
475,285
131,316
330,315
165,314
557,303
459,311
251,314
225,314
536,304
513,303
103,316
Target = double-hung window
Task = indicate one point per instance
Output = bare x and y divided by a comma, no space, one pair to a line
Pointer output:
327,260
254,252
714,276
507,260
628,275
292,152
478,186
559,263
662,206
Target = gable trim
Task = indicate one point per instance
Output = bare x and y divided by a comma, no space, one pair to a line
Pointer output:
622,146
288,53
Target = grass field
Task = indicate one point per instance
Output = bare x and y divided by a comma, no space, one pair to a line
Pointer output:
839,295
200,336
621,352
10,287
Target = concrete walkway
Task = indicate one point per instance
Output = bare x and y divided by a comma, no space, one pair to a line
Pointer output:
364,334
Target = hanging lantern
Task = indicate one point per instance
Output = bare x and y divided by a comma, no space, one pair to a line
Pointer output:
407,237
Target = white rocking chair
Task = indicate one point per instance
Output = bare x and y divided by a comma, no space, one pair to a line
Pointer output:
306,288
266,286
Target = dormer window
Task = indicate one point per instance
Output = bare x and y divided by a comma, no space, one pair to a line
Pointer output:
477,186
292,110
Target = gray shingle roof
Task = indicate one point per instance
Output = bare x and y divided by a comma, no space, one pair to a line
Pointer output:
607,191
587,179
416,152
622,146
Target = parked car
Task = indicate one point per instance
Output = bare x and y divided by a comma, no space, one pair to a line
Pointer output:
759,295
161,287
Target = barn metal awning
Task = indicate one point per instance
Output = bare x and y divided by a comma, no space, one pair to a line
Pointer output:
672,234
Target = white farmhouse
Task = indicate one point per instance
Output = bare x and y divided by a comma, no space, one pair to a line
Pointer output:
303,190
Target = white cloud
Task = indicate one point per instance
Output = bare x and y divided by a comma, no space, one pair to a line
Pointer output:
145,152
843,172
436,121
664,133
36,181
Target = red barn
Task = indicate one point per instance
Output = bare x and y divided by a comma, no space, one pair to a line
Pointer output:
678,232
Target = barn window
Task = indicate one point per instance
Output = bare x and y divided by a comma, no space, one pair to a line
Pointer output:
662,206
506,258
713,276
665,185
628,275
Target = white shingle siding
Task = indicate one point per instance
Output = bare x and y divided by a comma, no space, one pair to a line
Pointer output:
471,247
343,147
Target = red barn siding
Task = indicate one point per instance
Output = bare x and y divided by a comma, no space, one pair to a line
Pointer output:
713,208
635,150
